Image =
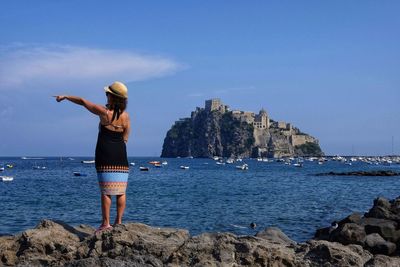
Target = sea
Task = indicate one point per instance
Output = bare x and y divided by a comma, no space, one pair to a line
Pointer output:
206,197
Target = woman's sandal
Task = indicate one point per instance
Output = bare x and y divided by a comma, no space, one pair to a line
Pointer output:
103,228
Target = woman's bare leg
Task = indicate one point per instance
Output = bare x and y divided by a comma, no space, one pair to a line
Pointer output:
121,204
105,209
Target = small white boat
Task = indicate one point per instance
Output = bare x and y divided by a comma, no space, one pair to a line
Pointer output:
164,162
1,169
132,163
230,161
39,167
243,167
144,169
184,167
7,178
220,163
88,161
298,164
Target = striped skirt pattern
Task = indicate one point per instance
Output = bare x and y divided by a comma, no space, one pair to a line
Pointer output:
113,180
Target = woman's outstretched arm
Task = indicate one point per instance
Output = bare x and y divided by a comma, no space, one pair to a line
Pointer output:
94,108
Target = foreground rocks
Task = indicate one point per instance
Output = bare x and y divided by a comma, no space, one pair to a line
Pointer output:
357,241
378,231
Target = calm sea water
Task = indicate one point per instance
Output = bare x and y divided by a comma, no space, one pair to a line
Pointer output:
205,198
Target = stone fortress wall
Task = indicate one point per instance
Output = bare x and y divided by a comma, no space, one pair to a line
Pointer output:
261,123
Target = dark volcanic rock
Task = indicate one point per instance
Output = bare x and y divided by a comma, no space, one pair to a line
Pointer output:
360,173
353,241
378,231
133,244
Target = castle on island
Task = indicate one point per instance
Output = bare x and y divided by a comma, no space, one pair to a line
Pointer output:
216,130
261,123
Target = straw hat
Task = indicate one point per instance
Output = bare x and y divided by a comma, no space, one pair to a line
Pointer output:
118,89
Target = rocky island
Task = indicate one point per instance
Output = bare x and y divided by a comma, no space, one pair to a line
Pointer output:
215,130
372,239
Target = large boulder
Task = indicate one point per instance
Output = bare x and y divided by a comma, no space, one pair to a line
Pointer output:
325,253
384,209
275,235
377,245
349,233
224,249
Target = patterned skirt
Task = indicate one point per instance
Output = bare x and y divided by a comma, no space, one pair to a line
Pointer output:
111,162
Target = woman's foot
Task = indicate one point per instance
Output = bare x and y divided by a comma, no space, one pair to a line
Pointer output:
103,228
116,223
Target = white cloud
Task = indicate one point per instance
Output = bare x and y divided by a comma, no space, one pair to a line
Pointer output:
37,66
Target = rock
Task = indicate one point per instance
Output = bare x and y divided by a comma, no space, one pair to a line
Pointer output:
133,244
276,236
383,209
377,245
324,253
385,228
349,233
353,218
382,260
230,250
360,173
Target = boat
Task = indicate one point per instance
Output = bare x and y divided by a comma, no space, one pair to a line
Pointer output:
79,174
10,166
88,161
230,161
154,162
220,163
132,163
243,167
158,165
1,169
39,167
31,158
184,167
299,163
164,162
145,169
7,178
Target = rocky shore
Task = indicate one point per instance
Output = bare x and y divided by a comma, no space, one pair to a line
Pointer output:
360,173
369,240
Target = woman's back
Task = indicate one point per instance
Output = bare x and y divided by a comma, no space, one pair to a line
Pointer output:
118,125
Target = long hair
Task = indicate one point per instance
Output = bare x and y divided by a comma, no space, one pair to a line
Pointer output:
117,105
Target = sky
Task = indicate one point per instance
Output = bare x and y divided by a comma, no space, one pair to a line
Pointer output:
331,68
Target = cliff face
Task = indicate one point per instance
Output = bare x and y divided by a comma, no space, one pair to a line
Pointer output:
209,134
220,133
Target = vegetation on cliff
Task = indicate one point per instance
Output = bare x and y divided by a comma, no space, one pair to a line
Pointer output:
308,149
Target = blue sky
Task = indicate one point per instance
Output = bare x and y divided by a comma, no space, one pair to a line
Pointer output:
329,67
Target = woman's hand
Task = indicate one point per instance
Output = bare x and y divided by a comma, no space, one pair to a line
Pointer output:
60,98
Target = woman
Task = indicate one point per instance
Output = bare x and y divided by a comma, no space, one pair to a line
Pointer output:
111,158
